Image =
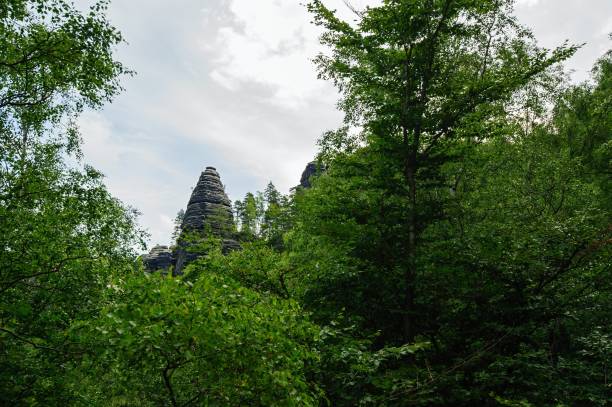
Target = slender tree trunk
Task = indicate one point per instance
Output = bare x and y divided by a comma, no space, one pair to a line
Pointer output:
411,269
167,374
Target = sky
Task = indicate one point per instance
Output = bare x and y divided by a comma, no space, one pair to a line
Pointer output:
229,84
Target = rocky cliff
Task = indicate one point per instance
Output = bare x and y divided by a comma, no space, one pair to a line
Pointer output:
312,169
209,207
209,213
159,259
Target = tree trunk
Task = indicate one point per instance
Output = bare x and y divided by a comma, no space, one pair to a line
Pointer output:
411,269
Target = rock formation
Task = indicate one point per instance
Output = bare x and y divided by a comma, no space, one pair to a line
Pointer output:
159,258
209,206
312,168
209,213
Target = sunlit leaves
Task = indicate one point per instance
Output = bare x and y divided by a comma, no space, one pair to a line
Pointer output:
210,341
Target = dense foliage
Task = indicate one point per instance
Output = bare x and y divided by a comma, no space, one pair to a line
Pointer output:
211,342
62,235
452,223
454,252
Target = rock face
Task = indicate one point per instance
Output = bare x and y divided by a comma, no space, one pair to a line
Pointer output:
312,168
209,213
159,258
209,206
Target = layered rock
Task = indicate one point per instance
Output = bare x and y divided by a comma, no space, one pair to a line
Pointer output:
159,259
209,213
209,206
312,169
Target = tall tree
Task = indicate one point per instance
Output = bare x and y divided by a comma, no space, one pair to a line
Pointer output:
276,217
417,76
62,234
178,223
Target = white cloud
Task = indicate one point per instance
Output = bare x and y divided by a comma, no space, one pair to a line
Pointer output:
607,28
230,84
268,43
135,173
98,143
272,43
527,3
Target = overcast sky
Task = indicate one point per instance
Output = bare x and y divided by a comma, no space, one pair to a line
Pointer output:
228,83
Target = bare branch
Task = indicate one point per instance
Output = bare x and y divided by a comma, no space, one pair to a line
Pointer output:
353,9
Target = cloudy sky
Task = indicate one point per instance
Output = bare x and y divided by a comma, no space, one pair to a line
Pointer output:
228,83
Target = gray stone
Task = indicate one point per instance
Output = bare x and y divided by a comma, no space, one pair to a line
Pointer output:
159,259
209,213
229,245
312,169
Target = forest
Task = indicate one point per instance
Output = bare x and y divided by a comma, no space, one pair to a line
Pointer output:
454,248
